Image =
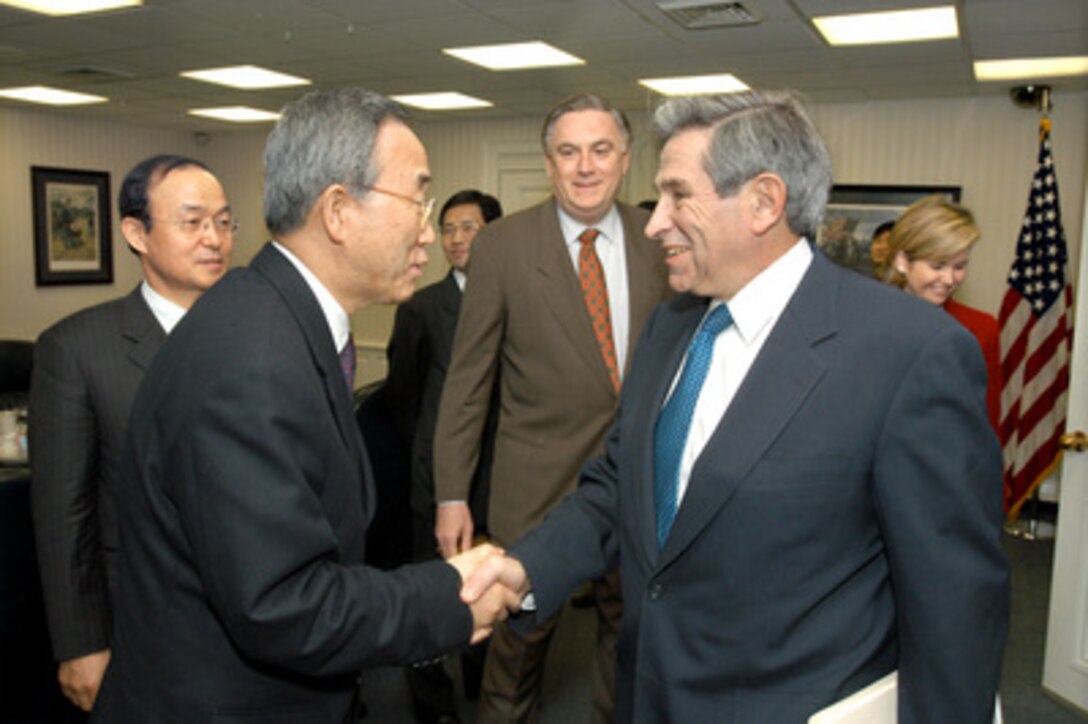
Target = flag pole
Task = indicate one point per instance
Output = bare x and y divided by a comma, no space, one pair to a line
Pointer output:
1035,333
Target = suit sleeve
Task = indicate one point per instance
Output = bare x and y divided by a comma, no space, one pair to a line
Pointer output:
474,364
63,435
995,379
938,482
259,465
579,540
407,357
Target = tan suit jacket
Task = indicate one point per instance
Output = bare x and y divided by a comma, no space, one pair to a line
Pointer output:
523,313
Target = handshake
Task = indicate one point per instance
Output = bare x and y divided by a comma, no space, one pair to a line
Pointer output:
493,585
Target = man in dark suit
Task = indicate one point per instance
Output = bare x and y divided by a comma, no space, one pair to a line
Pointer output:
556,296
175,218
800,486
245,488
419,354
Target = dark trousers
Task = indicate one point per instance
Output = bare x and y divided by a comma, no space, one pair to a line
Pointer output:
514,670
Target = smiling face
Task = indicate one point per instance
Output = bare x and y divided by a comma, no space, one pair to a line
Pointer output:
709,249
586,161
387,245
460,225
179,262
934,281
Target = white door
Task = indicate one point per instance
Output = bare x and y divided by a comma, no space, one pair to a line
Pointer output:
1065,668
516,172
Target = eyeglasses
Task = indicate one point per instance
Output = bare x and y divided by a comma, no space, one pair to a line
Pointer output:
221,224
426,205
465,227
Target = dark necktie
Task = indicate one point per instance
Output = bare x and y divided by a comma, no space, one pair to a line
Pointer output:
347,363
671,432
591,275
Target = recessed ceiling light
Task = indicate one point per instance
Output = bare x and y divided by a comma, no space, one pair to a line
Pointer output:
70,7
235,114
1024,68
245,76
50,96
690,85
442,101
514,56
894,26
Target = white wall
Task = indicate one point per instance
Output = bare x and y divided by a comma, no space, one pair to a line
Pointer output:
986,146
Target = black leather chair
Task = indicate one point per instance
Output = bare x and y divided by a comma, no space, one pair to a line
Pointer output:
16,363
389,538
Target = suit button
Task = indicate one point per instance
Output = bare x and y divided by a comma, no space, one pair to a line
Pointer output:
655,591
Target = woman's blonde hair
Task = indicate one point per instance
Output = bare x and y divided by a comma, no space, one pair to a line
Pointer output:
933,229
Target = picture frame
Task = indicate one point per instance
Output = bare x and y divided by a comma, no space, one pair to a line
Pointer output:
73,240
854,211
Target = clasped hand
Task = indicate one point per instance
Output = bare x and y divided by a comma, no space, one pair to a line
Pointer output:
492,585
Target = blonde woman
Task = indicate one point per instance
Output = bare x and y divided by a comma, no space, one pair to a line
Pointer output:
929,249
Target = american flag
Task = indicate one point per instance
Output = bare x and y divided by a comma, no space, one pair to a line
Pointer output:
1035,340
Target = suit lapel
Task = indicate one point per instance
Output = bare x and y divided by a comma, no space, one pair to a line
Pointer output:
668,350
783,375
646,277
311,320
141,330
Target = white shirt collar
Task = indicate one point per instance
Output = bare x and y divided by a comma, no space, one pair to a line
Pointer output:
166,312
762,299
338,320
459,277
610,226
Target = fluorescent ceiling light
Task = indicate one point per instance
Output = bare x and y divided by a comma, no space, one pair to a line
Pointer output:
514,56
442,101
50,96
70,7
1024,68
895,26
690,85
245,76
235,114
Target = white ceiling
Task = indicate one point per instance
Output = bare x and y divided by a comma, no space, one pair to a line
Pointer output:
394,46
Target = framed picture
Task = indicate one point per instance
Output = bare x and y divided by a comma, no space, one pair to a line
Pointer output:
854,211
72,239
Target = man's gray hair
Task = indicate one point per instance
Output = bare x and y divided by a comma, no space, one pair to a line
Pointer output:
583,102
756,132
323,138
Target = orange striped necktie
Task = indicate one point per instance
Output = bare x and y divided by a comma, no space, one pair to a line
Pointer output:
595,290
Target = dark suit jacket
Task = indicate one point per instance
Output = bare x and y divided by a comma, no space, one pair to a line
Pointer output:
843,521
419,354
524,314
86,371
244,503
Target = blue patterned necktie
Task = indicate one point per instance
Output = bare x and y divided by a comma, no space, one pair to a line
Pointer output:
347,363
671,432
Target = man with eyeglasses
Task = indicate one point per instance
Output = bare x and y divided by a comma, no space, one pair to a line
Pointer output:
557,295
419,355
246,489
176,219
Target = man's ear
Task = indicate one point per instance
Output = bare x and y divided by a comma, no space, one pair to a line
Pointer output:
768,202
333,205
135,234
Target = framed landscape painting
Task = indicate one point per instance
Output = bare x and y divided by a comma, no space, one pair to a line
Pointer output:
72,239
854,211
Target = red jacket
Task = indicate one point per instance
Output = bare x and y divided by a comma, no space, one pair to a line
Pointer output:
984,327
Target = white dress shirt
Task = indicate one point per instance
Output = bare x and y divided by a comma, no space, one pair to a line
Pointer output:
755,310
337,319
166,312
612,252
